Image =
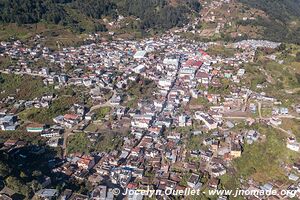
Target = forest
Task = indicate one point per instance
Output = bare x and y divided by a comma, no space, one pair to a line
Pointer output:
158,14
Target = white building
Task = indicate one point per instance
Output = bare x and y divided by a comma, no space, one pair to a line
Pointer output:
275,121
293,145
209,121
165,82
139,69
171,61
139,54
187,71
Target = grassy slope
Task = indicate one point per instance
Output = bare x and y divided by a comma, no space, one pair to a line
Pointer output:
45,115
51,32
22,87
282,22
102,112
262,160
105,142
281,79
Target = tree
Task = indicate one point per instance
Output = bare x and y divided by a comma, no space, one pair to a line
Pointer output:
281,47
18,185
14,183
35,185
36,173
298,77
1,79
4,169
298,57
23,175
156,14
100,27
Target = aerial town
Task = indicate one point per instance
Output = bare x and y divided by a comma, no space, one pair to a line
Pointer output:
123,118
155,152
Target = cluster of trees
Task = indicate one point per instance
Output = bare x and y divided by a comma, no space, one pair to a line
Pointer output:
152,13
102,112
298,57
96,8
53,11
23,179
31,11
158,13
274,30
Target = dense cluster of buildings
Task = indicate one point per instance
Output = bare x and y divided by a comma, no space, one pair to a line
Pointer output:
156,153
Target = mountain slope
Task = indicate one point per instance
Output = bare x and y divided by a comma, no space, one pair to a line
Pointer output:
283,21
283,10
158,14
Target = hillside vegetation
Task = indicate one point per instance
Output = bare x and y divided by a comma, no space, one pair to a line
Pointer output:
275,20
282,23
277,9
151,13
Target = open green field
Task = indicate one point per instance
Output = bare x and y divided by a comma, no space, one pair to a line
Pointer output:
45,115
102,112
261,161
5,62
292,125
106,141
220,50
138,91
281,81
22,87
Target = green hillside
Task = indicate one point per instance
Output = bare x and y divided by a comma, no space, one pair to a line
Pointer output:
158,14
283,10
282,23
